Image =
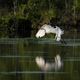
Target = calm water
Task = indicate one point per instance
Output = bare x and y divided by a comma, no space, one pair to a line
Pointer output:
17,59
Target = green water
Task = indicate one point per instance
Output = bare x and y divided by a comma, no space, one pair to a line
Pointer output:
17,59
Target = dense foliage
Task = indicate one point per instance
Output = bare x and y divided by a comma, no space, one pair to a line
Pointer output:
38,12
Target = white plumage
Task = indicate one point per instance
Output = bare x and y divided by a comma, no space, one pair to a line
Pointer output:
46,29
58,62
46,66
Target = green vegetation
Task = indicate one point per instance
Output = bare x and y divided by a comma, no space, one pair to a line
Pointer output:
38,12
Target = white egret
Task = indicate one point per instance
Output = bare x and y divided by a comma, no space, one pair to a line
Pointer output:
46,29
46,66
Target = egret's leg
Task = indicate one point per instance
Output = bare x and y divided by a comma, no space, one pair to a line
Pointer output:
55,37
63,41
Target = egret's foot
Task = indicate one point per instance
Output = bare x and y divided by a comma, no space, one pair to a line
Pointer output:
63,42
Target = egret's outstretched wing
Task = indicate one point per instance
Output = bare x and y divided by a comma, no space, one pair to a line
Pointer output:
40,33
